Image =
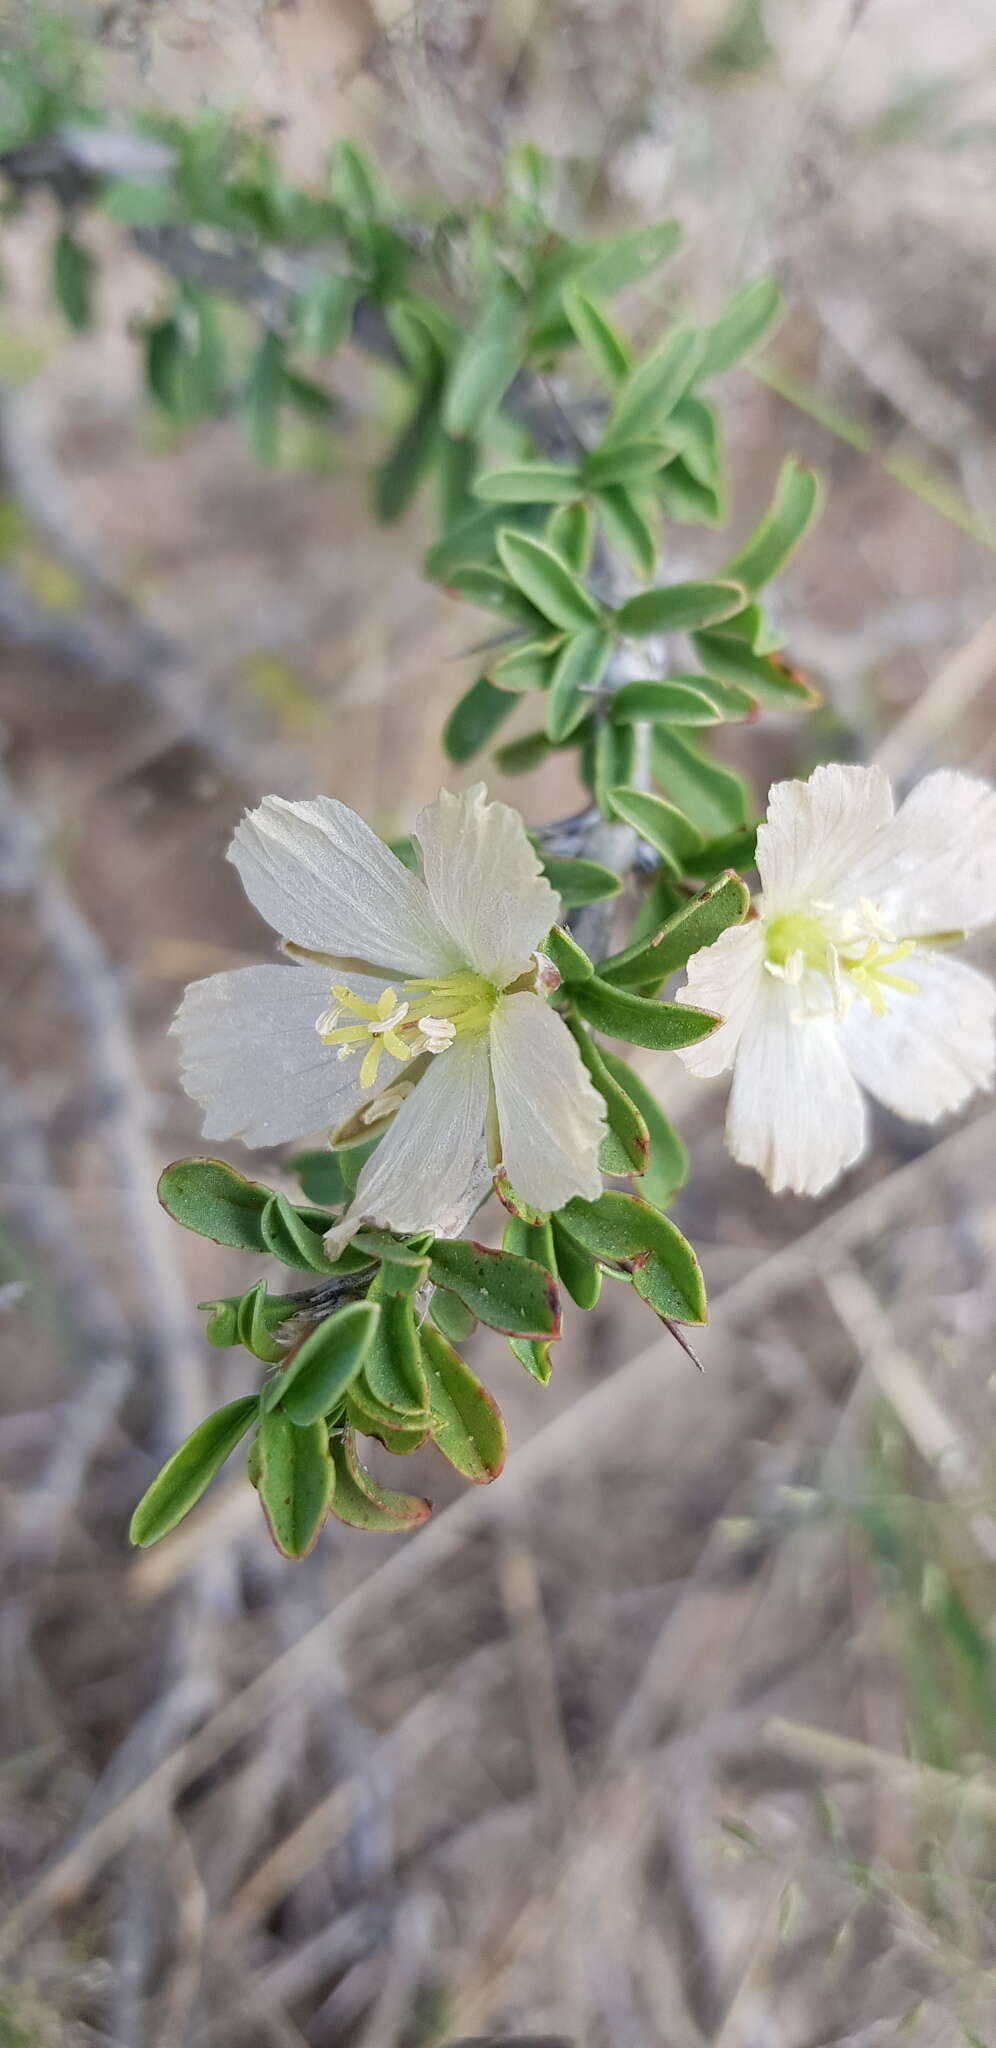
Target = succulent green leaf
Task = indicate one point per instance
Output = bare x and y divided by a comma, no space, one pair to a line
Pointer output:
679,607
580,1274
766,676
627,259
320,1175
716,799
513,1295
577,673
672,701
530,483
571,962
254,1327
483,368
472,721
660,823
625,462
535,1358
667,1170
295,1480
748,320
734,850
186,1475
626,1145
775,538
626,1232
628,527
547,581
698,924
262,398
492,591
614,762
325,1365
400,476
450,1315
654,387
662,1027
359,1500
73,274
325,314
602,343
580,881
392,1370
569,533
467,1426
288,1235
527,666
208,1196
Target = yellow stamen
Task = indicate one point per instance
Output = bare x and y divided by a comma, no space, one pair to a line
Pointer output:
429,1017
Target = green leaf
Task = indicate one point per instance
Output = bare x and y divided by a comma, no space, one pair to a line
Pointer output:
661,824
579,881
253,1326
451,1316
660,901
663,1027
492,591
680,700
698,924
602,343
478,714
766,676
208,1196
623,260
513,1295
520,755
569,533
654,387
134,204
359,1500
325,315
674,701
668,1167
733,850
679,607
623,1231
530,483
627,462
748,320
581,1275
693,429
686,499
392,1370
716,799
614,761
262,398
793,508
325,1365
626,1146
399,477
425,336
526,1238
354,181
367,1415
288,1235
547,581
628,528
563,950
320,1175
527,666
73,273
577,673
223,1325
467,1426
295,1478
484,366
535,1358
184,1477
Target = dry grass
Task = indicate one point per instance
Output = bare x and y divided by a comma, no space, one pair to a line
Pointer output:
683,1733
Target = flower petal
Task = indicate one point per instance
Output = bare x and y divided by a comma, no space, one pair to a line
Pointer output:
816,832
430,1170
933,868
323,879
485,882
250,1054
795,1113
724,977
931,1050
551,1118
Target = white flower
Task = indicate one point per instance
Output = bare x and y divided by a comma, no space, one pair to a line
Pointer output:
409,998
845,977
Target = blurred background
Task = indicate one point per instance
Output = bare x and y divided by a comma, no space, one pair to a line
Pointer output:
683,1732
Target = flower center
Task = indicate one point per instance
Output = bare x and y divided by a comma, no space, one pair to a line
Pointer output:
429,1016
855,961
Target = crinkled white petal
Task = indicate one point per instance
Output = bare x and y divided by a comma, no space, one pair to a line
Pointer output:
795,1111
931,1050
724,977
250,1054
485,882
933,867
817,832
430,1170
323,879
551,1118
